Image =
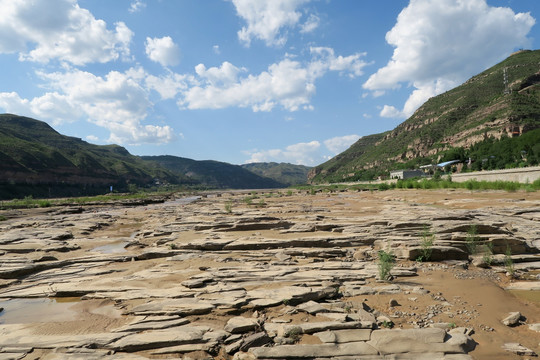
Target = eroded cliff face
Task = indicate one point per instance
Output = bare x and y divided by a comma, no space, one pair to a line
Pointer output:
483,107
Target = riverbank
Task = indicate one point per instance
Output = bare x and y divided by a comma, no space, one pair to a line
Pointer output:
249,275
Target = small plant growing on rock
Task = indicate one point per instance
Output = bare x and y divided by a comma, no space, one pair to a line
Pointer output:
488,253
294,333
386,263
228,207
508,262
387,324
471,239
426,245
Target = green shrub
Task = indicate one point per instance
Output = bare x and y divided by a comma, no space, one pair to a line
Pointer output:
471,240
228,207
387,324
508,262
385,265
488,253
44,203
426,245
294,333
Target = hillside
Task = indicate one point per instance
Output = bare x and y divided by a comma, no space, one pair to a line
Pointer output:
284,173
482,110
214,174
37,160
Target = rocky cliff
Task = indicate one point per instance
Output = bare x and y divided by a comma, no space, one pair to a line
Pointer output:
483,107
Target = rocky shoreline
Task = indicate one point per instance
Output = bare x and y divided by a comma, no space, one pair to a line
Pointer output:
274,275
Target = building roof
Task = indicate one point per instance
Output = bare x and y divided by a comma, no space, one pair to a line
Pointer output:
443,164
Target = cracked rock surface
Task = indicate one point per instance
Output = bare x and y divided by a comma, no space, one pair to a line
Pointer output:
281,276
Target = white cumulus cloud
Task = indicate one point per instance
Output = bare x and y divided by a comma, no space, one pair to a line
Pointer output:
163,50
311,24
439,44
168,86
301,154
339,144
288,83
266,20
136,6
43,30
51,106
117,102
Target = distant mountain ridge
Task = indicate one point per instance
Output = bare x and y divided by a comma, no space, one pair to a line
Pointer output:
484,108
35,156
37,160
214,174
284,173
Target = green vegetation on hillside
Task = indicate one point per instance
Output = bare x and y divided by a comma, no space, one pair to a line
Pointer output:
36,160
213,174
287,174
470,113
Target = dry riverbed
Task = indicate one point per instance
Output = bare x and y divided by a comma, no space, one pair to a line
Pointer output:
275,276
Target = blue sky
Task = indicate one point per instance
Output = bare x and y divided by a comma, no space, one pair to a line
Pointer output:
245,80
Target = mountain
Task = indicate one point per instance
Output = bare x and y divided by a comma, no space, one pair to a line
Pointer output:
214,174
37,160
492,108
284,173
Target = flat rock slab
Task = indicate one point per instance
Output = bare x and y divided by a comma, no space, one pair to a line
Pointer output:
184,307
89,354
152,325
180,335
19,336
420,341
289,294
312,307
313,351
344,336
524,285
315,327
240,324
518,349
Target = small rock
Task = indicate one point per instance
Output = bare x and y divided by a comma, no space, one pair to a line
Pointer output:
393,302
311,307
512,319
232,348
255,340
518,349
240,324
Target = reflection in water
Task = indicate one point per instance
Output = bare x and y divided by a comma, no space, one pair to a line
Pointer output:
114,248
529,295
23,311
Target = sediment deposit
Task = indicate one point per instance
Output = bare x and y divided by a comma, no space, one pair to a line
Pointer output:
274,275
